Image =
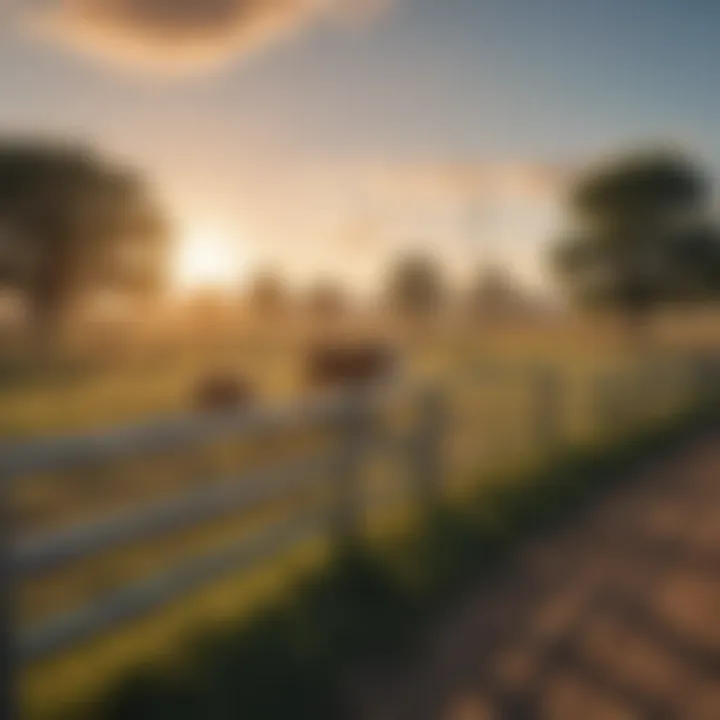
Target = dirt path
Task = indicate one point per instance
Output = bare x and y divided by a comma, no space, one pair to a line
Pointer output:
616,617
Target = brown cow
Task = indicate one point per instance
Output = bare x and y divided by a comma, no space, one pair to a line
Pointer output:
223,392
357,366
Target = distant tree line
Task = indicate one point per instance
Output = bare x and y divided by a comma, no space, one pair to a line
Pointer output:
642,235
415,291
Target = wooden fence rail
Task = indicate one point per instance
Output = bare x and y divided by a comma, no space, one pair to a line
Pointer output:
355,435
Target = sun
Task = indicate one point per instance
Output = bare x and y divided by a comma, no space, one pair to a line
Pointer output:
208,257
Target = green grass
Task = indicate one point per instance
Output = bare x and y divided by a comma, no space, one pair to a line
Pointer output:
72,394
369,604
124,392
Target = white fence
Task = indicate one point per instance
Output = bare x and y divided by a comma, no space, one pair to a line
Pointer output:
351,421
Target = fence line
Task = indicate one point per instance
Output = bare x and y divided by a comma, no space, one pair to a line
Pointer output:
51,550
139,598
350,419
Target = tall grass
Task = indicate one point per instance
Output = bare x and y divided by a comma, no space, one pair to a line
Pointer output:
295,657
493,431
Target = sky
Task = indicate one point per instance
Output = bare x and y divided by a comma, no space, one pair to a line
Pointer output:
330,134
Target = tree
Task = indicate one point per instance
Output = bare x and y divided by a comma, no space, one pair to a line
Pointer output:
326,301
416,287
493,294
642,237
267,296
73,223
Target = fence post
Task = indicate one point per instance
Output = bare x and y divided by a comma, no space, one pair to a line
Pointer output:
348,501
635,405
427,449
705,381
712,370
654,387
606,407
8,669
548,416
626,399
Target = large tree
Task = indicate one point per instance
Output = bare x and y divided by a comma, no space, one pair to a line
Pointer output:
416,288
72,224
642,236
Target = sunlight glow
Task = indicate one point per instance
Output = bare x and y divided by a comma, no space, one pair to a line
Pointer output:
208,257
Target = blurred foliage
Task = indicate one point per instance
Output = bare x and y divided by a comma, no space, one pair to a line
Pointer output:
642,236
296,657
268,297
326,301
495,294
416,288
74,224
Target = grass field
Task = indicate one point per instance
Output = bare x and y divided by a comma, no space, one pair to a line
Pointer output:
111,388
491,388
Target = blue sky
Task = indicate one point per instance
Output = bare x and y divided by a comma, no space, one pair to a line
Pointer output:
427,82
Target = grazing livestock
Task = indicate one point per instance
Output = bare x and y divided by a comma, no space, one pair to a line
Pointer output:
223,392
352,366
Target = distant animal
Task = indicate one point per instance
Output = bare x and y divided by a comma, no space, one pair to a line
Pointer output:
358,365
223,392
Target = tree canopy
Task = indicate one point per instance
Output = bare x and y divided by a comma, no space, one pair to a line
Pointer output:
642,236
326,300
72,223
268,296
416,287
493,293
